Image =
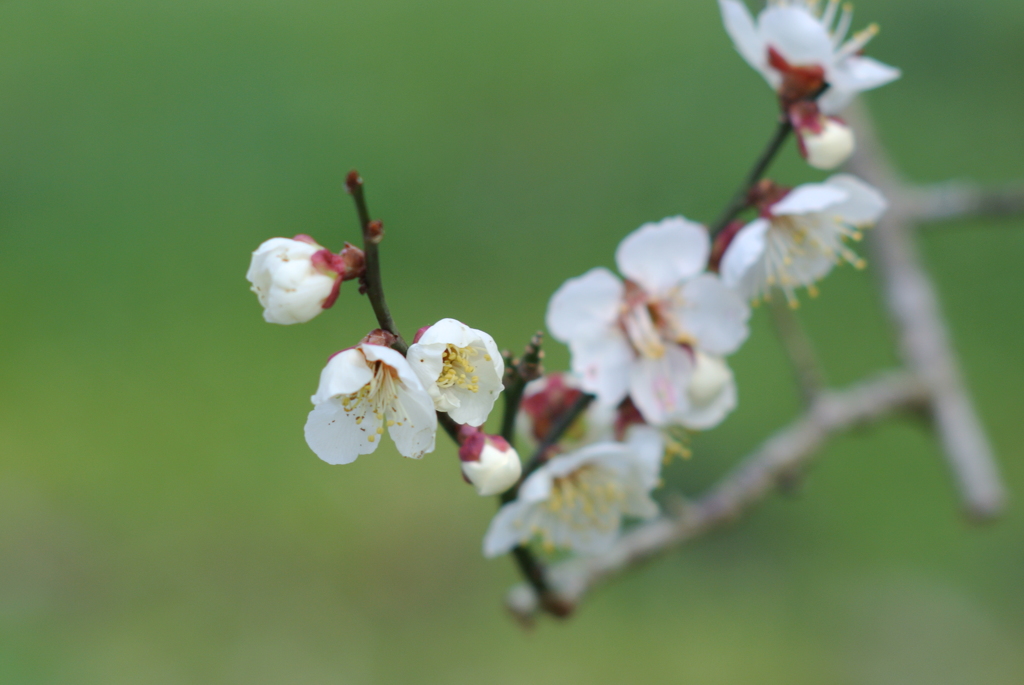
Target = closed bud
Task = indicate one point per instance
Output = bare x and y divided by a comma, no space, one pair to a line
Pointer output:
294,279
710,378
489,463
825,142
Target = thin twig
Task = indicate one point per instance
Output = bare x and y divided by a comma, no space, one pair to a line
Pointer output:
739,200
373,231
831,413
923,338
810,377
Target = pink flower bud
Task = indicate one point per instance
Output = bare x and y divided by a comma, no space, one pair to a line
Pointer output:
825,142
489,463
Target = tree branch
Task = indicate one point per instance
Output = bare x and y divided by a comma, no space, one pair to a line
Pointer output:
923,338
373,232
964,200
739,200
830,414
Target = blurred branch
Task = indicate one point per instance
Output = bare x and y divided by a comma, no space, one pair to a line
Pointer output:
962,200
831,413
923,338
810,377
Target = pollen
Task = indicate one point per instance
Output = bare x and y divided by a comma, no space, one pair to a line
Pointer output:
457,371
589,497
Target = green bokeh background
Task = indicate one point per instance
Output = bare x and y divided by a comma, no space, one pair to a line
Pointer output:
161,518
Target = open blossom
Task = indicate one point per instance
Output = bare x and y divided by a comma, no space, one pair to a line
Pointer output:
295,279
364,390
577,501
489,463
460,367
640,337
800,237
799,50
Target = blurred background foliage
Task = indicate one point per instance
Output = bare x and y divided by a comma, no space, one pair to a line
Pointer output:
161,519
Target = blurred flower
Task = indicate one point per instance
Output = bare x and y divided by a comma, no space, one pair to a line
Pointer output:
577,501
546,400
488,462
363,390
799,50
825,142
295,278
639,338
800,237
460,367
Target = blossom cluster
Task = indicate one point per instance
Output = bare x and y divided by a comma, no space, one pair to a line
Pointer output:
649,345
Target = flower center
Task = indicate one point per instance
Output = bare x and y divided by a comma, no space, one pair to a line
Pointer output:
379,396
588,497
457,370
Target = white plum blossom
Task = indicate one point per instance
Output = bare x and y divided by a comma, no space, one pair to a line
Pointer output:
577,501
793,45
461,368
799,238
289,285
639,337
489,463
362,391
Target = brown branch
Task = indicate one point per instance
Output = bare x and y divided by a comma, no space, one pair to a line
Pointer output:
923,338
792,448
373,232
740,200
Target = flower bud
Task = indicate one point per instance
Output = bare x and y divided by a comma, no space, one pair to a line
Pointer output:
710,377
489,463
825,142
292,286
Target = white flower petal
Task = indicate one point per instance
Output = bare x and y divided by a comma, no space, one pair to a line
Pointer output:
658,386
415,423
427,362
739,24
334,435
796,34
602,365
396,361
507,529
537,487
648,443
744,251
658,256
344,374
714,314
851,76
809,197
863,204
585,304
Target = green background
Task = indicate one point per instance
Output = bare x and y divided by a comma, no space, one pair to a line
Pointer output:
161,518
